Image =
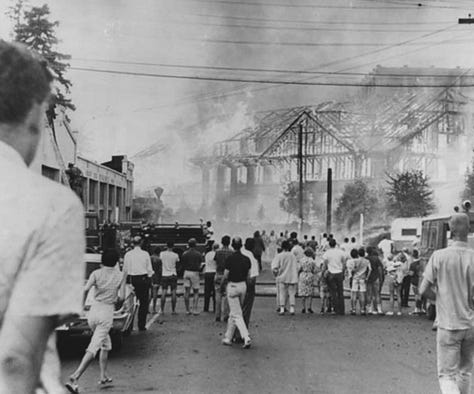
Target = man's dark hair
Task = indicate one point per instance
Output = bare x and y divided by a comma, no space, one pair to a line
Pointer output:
256,234
109,258
305,237
331,236
24,81
169,244
237,243
249,243
286,245
192,243
325,235
416,254
225,241
346,239
353,239
293,235
281,234
313,238
354,253
332,243
361,252
208,224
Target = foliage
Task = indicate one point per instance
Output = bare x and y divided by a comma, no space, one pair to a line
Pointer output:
357,198
468,193
409,195
33,28
289,201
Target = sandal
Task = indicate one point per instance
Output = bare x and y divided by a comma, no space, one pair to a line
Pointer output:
72,386
105,381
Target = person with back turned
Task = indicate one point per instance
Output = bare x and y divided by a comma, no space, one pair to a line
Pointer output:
237,269
137,270
41,235
449,279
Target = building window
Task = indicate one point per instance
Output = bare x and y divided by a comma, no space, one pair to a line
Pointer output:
92,192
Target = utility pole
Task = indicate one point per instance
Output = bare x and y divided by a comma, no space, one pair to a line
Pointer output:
329,203
300,175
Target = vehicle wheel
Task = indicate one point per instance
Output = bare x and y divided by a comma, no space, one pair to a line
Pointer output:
117,341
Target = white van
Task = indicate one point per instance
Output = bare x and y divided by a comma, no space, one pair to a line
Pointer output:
404,232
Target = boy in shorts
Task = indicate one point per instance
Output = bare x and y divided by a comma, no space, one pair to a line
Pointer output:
169,278
359,271
395,274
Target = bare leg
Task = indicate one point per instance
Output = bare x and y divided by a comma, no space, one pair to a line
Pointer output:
303,302
353,301
103,358
195,300
173,300
163,299
187,291
86,360
362,301
311,302
155,296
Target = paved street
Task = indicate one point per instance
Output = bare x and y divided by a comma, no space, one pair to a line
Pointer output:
290,354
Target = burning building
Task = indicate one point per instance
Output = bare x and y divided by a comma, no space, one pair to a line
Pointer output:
383,129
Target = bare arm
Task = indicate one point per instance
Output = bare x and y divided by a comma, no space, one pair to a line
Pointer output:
426,289
22,345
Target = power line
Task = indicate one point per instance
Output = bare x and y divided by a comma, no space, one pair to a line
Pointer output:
304,44
412,6
230,93
263,81
299,28
263,70
325,22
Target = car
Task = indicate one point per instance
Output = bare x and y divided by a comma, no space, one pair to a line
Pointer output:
124,314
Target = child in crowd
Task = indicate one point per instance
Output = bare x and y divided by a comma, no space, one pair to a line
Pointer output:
395,274
359,269
321,285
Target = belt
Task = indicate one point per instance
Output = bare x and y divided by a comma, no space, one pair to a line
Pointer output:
138,276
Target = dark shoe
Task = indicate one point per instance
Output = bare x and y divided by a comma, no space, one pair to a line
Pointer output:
141,328
247,344
72,387
310,310
303,310
218,319
353,313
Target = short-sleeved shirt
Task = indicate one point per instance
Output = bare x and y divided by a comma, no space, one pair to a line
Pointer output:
335,259
221,257
169,259
360,268
137,262
157,265
286,266
42,242
386,246
106,281
254,269
191,260
451,270
238,266
210,261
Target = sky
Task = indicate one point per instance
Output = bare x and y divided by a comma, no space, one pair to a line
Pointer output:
126,113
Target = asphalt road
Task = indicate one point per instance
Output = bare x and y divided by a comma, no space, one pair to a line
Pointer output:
290,354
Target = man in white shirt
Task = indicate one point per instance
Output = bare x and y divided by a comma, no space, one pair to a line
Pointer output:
386,246
41,234
209,276
335,263
169,277
137,270
449,279
285,270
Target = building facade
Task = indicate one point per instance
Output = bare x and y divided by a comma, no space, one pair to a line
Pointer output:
106,188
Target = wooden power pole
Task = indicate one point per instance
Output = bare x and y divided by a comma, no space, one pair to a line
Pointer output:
329,202
300,176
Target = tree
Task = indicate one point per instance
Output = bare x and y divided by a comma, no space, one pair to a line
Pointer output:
357,198
289,200
33,28
409,195
468,193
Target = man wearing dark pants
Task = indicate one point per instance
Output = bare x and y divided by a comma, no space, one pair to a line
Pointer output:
137,269
221,256
209,277
335,264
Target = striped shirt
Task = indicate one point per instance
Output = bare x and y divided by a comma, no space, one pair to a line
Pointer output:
106,281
